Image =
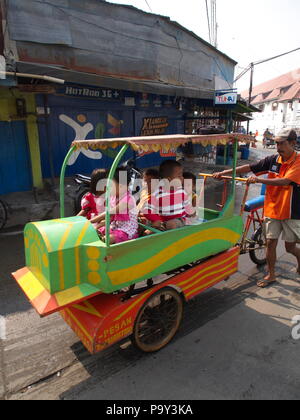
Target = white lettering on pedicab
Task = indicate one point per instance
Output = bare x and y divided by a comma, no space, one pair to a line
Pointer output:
296,328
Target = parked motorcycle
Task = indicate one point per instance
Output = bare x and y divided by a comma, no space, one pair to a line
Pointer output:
84,182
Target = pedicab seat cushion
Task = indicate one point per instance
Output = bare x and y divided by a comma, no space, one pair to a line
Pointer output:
255,203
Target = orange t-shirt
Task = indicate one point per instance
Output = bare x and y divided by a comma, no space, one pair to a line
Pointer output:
282,202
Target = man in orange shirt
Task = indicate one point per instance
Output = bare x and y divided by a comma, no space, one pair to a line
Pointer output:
282,202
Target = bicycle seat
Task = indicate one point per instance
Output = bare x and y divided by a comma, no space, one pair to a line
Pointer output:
255,203
83,178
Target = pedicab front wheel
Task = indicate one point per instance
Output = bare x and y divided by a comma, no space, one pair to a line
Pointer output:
258,248
158,320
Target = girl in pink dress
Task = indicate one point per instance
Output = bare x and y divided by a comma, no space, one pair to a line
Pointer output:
124,212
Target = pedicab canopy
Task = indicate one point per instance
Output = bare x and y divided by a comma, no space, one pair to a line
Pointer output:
157,143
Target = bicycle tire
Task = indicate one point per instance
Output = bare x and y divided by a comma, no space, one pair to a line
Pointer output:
3,214
257,239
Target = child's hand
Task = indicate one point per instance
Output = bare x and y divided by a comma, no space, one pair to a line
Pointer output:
143,219
102,224
98,219
157,225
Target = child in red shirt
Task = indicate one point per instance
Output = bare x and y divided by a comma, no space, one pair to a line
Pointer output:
166,208
93,203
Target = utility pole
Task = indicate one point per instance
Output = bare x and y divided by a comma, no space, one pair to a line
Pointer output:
250,92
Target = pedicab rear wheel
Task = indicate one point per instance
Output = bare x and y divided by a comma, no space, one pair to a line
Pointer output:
158,320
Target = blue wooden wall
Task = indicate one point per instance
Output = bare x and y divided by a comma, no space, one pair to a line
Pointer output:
15,169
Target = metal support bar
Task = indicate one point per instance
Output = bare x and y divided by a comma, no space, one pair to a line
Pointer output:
108,191
62,182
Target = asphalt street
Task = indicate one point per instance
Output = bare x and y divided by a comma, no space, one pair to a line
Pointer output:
235,342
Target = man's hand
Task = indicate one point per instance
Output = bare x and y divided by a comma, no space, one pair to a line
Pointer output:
252,180
218,175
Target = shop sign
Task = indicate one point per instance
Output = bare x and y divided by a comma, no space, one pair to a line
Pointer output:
94,93
45,89
145,101
168,102
154,126
129,101
226,98
157,102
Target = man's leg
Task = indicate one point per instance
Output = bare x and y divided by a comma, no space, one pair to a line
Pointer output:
271,259
272,230
291,248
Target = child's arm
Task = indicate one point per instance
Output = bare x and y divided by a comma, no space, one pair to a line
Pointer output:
151,212
98,218
83,213
85,205
121,208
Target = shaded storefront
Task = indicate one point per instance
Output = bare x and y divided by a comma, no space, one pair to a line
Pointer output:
76,112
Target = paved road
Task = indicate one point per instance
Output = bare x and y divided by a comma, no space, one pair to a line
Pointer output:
235,342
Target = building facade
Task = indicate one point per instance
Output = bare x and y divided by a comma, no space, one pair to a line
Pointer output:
279,103
124,72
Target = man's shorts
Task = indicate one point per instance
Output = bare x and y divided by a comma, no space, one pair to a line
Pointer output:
290,229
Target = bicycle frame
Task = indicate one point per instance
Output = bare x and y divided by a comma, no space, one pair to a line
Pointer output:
253,217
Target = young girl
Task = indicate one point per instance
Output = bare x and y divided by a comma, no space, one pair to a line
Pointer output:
93,203
123,211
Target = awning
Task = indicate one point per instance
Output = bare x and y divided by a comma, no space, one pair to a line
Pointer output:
241,117
245,109
134,85
162,143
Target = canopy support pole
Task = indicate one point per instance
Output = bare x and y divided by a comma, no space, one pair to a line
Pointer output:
62,182
108,192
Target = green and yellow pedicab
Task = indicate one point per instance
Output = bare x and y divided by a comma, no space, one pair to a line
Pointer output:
71,271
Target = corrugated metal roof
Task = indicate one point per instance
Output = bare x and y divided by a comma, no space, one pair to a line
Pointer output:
133,85
110,40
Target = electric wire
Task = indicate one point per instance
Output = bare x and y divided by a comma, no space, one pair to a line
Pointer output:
148,6
208,21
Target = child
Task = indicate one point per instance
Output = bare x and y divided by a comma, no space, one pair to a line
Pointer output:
124,213
190,188
166,208
151,180
93,203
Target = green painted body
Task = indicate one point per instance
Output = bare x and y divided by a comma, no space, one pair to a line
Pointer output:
51,250
66,253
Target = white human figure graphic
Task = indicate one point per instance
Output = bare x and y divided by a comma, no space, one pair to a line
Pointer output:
81,133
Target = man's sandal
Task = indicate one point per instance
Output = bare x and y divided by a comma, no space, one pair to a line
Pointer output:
265,283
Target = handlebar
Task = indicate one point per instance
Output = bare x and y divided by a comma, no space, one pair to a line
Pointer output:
224,177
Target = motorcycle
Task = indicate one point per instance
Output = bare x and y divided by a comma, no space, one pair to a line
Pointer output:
84,183
270,143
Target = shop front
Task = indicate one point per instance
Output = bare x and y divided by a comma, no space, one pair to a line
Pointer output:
76,112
